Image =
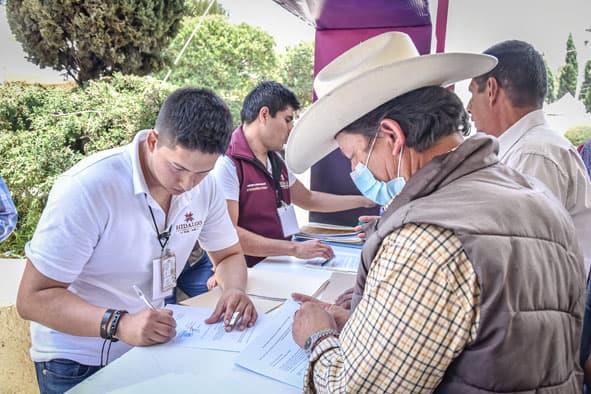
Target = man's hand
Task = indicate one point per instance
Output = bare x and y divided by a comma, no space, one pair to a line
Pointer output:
148,327
309,319
312,249
364,222
234,300
344,300
339,314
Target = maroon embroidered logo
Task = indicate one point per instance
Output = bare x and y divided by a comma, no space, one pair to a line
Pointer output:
189,225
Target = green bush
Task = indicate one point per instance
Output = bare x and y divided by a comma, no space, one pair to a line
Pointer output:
45,130
579,134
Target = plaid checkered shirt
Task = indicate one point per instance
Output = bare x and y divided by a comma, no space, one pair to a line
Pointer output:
420,309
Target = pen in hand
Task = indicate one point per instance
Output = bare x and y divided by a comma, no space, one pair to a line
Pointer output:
143,297
229,325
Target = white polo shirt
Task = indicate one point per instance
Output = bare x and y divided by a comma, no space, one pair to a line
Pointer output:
96,233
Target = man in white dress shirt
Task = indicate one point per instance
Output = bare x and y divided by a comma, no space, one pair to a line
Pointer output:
507,103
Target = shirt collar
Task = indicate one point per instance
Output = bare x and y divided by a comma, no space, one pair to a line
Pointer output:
139,181
516,132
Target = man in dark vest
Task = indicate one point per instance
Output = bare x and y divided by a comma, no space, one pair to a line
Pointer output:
472,280
260,189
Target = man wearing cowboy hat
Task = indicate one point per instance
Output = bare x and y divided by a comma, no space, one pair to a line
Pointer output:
456,291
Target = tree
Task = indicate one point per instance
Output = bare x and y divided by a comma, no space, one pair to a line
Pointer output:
229,59
570,72
587,101
198,7
297,71
90,39
551,94
586,81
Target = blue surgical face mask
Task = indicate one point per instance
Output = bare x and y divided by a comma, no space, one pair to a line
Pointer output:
379,192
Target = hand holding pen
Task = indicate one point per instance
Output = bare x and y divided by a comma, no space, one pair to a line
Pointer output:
148,326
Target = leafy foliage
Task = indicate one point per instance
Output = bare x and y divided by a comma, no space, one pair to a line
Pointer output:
198,7
44,131
579,134
227,58
585,95
90,39
551,95
297,71
570,71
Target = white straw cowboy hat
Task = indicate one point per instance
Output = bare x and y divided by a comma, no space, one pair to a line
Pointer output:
364,77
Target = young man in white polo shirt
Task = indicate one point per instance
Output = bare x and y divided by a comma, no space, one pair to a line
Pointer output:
130,216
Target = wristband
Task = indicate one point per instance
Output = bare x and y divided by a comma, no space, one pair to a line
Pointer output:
105,322
115,324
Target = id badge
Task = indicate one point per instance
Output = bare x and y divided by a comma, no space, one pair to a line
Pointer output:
164,275
289,222
168,271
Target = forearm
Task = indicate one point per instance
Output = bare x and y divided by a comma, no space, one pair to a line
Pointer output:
326,202
62,310
257,245
230,273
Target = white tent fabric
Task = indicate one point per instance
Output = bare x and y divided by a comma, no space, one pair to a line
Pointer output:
567,112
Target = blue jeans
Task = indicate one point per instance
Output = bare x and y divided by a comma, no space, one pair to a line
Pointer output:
193,279
60,375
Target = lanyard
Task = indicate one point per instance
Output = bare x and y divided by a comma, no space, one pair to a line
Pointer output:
163,237
276,175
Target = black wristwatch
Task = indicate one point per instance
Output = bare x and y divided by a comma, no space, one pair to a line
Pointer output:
317,336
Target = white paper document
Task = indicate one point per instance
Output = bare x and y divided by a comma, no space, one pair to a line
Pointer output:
274,353
192,331
346,262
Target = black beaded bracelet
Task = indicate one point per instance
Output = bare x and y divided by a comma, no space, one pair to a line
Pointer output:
115,324
105,322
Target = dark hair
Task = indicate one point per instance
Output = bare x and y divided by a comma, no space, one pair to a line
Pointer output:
196,119
270,94
521,72
425,115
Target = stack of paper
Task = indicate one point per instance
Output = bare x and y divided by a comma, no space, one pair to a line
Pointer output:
329,233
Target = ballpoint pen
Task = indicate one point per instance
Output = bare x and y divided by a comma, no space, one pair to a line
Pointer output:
142,296
233,319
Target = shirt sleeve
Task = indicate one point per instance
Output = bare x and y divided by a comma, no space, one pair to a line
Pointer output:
420,308
225,175
67,233
291,178
218,231
8,214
